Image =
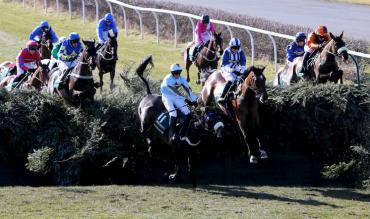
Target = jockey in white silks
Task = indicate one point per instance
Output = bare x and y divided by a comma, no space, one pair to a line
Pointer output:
173,99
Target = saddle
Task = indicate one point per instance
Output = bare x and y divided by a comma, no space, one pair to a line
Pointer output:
162,125
194,52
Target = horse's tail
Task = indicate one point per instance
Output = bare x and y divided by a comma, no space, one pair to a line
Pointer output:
140,70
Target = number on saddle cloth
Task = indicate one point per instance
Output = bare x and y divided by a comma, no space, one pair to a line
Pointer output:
162,125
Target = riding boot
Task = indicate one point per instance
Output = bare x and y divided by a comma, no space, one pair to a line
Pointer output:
172,131
185,126
224,92
17,80
304,63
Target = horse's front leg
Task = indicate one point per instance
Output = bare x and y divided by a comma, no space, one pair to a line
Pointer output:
112,73
192,166
101,81
198,80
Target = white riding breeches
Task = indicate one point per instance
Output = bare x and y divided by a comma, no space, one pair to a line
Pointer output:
308,49
63,66
175,102
229,76
105,37
29,65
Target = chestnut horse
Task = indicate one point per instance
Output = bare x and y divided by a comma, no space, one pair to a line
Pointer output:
324,66
80,81
242,108
207,58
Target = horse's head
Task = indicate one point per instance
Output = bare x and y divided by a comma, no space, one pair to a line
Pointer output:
46,39
89,53
339,46
256,80
219,43
112,46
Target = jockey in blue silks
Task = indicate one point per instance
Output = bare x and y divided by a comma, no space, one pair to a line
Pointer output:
233,65
68,54
296,48
44,26
103,27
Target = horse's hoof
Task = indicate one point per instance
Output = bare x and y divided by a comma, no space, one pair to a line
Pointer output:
263,154
197,81
172,176
253,159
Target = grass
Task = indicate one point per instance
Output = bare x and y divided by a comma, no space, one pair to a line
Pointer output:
211,201
15,26
361,2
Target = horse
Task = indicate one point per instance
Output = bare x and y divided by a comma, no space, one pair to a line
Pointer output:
323,66
243,108
106,60
46,45
151,108
80,81
37,79
207,57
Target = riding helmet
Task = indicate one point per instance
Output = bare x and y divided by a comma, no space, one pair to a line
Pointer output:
175,68
300,36
74,36
32,44
108,17
205,19
321,30
234,42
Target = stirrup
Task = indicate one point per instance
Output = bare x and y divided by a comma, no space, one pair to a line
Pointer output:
253,159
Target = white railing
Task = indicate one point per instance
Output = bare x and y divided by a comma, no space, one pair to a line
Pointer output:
172,14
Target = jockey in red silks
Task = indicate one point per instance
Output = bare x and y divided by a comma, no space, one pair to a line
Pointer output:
28,60
203,33
316,40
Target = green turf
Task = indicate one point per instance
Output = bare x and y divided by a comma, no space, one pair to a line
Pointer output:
211,201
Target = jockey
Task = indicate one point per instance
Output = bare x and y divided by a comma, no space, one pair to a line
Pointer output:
316,40
44,26
204,30
296,48
54,53
68,54
28,60
203,33
173,99
233,64
103,27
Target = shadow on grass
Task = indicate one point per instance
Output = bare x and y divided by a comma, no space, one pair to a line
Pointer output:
76,190
339,193
237,191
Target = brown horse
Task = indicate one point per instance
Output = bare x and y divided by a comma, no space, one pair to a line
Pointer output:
151,107
106,61
80,81
242,108
324,66
207,58
35,80
46,45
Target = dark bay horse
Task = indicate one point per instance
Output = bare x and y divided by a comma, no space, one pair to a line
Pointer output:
323,66
46,45
207,58
243,108
151,107
80,82
106,60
